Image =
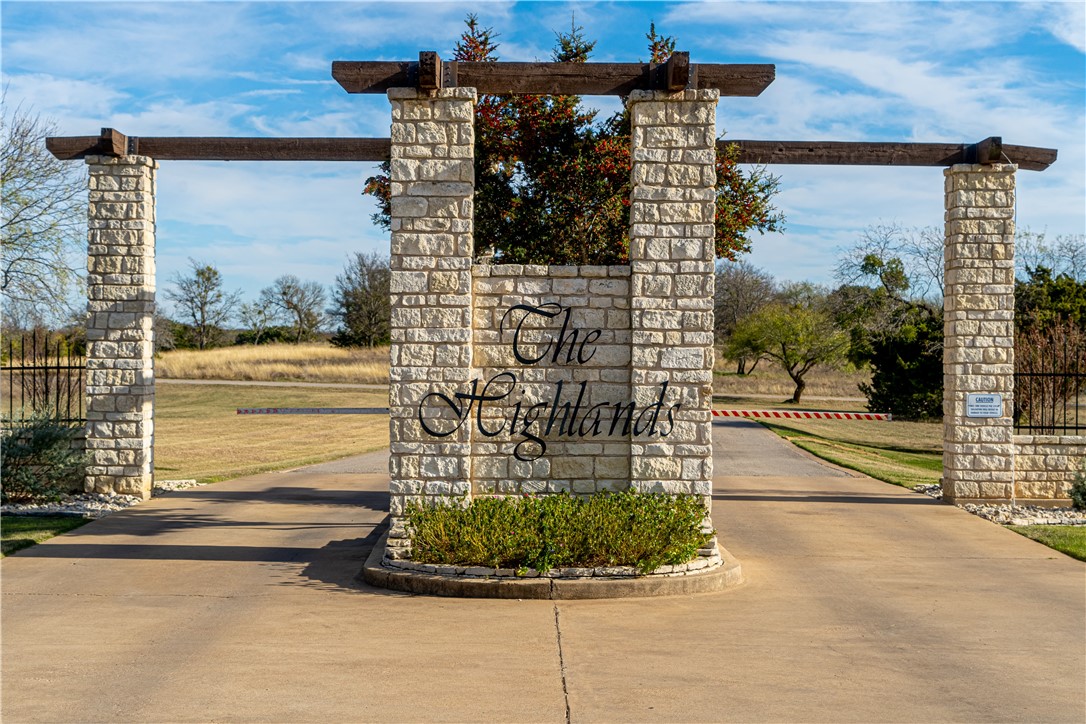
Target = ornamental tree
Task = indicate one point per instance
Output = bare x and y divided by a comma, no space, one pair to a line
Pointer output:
799,334
552,184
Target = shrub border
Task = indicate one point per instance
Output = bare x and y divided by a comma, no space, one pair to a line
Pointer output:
559,587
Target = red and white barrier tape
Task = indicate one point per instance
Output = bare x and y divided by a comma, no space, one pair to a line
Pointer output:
771,414
804,414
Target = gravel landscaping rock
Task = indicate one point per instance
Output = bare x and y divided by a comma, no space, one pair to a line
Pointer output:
92,505
1007,514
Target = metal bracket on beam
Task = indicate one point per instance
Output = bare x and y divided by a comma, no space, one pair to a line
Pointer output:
987,152
673,76
677,72
429,71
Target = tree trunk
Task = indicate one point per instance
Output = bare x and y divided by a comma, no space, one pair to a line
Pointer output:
800,386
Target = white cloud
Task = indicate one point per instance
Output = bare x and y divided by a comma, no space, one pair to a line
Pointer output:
1067,23
950,71
256,221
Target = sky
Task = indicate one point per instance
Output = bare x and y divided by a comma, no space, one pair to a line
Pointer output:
856,71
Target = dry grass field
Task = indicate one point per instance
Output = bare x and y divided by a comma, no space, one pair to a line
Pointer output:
769,379
198,433
317,362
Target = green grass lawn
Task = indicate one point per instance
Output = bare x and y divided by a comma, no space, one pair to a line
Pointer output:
22,531
1064,538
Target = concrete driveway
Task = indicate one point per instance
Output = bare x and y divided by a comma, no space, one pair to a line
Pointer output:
237,602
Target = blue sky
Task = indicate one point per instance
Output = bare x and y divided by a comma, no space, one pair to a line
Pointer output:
900,71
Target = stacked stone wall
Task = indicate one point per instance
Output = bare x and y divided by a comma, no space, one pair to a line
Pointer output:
120,326
1045,465
672,211
978,353
575,322
432,185
510,379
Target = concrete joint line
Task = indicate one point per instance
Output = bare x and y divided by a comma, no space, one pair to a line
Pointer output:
561,661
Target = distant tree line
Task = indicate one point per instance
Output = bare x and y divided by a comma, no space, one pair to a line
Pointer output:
289,310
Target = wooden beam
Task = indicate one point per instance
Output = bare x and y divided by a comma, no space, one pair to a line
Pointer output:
553,78
838,153
233,149
430,75
829,153
112,143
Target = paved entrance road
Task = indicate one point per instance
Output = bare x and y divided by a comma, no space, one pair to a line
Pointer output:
236,602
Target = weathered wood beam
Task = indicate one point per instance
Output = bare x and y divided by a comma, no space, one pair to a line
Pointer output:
231,149
840,153
558,78
829,153
113,142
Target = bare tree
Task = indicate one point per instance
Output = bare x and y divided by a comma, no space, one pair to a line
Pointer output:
44,215
302,303
907,261
360,301
202,303
1066,254
257,318
741,290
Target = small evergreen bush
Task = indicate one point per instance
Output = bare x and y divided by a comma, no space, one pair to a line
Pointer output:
1078,488
37,461
556,531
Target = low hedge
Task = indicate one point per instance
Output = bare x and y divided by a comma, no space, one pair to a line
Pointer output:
644,530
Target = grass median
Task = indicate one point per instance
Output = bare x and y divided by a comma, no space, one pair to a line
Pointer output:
901,453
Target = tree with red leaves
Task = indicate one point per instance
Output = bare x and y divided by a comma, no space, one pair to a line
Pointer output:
552,186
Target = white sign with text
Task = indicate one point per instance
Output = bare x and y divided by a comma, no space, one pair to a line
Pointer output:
987,404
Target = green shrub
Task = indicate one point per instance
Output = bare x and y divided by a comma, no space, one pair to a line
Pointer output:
1078,488
37,460
557,531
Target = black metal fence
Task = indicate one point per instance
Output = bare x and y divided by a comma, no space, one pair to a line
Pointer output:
1050,387
43,373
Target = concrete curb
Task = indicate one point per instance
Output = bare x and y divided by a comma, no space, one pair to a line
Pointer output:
726,575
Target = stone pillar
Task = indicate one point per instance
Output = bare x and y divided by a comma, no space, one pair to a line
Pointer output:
671,290
432,185
120,325
978,331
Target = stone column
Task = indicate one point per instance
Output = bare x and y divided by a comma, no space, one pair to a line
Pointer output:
671,291
978,331
120,325
432,185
